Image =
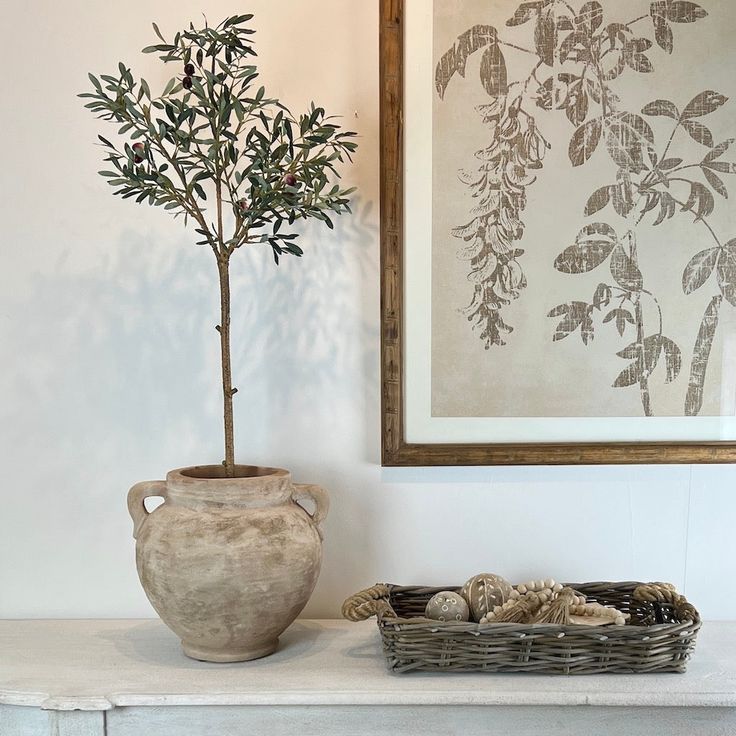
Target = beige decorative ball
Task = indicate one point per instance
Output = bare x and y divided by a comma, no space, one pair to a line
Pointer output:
484,592
447,606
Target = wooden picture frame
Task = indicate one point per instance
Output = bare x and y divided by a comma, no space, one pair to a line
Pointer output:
396,451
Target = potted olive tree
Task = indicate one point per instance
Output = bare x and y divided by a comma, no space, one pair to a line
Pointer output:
230,558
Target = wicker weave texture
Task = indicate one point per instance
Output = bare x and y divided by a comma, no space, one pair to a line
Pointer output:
660,638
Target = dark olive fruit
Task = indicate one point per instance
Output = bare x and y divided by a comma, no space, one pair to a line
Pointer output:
187,82
140,151
189,69
290,180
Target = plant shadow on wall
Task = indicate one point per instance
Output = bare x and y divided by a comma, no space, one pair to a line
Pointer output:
112,344
125,360
148,323
580,61
309,322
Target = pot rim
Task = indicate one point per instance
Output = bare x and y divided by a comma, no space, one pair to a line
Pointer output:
199,486
193,474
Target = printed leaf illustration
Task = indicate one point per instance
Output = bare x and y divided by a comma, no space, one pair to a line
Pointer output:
577,110
584,141
564,23
592,247
630,376
663,34
598,200
698,271
493,72
630,352
590,17
673,359
641,126
577,314
627,139
700,202
698,132
722,166
667,207
719,150
526,11
454,61
602,296
617,32
652,351
701,356
545,38
727,273
635,57
669,163
573,48
622,317
625,271
682,11
716,182
662,107
658,9
545,94
622,194
647,356
704,104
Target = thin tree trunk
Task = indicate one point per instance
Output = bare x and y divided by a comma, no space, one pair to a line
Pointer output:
223,266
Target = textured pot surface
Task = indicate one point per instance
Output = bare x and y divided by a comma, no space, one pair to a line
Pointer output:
228,563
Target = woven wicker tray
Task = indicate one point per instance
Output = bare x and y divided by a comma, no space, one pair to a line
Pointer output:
660,638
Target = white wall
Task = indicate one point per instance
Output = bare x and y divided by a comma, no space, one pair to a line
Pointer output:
109,358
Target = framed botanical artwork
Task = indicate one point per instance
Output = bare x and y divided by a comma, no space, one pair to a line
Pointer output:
558,231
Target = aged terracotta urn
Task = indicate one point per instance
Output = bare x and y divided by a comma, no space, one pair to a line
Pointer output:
228,563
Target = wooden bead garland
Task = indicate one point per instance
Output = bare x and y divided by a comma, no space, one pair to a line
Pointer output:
546,601
536,586
596,610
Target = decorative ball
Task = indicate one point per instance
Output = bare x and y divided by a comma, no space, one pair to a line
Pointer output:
447,606
484,592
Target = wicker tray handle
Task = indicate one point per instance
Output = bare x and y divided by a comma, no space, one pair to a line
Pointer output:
666,593
370,602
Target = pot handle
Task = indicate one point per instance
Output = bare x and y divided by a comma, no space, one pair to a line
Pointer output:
137,495
307,491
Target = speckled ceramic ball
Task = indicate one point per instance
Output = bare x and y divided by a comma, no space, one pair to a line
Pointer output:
484,592
447,606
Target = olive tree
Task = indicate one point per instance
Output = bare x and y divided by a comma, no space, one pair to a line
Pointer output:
214,149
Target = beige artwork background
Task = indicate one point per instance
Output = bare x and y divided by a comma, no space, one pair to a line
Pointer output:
532,375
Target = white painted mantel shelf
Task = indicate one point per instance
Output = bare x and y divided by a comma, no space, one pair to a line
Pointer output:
120,678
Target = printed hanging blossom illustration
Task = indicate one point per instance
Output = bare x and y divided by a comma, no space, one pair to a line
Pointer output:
577,59
516,150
